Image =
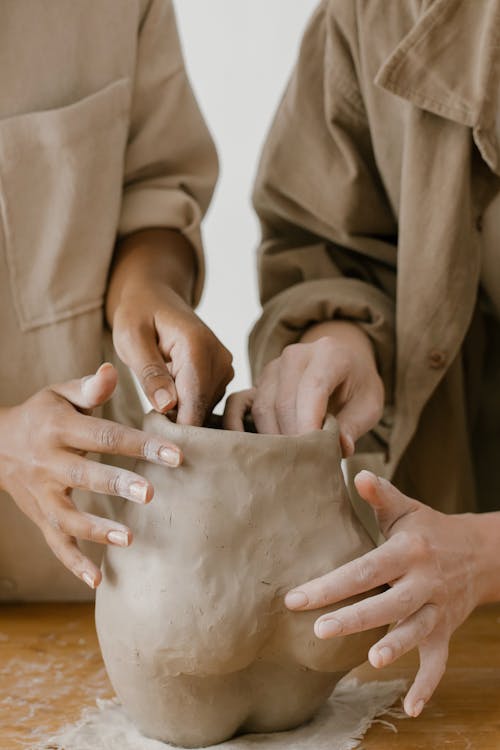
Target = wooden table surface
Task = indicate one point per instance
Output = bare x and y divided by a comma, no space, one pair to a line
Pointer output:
50,669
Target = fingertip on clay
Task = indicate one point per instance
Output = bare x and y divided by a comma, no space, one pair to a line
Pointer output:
380,657
296,600
171,457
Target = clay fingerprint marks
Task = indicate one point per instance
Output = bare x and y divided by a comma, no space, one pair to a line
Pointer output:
204,563
206,648
327,534
243,537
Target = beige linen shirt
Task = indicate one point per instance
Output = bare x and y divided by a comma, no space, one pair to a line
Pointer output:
99,135
381,159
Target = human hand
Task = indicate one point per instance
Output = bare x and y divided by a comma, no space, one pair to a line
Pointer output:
434,567
333,369
178,360
43,442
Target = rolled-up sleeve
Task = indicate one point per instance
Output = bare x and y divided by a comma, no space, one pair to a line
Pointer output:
329,236
171,163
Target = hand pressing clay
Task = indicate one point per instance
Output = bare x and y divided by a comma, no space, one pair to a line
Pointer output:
193,629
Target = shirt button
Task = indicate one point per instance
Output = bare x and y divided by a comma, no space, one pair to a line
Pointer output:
479,223
437,359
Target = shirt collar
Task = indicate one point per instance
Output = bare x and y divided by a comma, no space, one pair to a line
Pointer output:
449,64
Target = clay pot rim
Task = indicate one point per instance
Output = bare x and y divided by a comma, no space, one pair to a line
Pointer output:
330,428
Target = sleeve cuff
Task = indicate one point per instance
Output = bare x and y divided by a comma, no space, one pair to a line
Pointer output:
289,314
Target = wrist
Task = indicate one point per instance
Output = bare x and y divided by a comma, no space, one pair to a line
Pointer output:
148,259
347,334
485,541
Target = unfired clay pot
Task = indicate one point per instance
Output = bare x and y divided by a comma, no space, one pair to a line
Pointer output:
195,636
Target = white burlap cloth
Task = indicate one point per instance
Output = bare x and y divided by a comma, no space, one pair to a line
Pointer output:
340,725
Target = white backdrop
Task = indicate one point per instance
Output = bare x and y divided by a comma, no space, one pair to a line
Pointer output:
239,54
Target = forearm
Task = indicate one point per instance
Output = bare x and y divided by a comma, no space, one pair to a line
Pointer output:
150,256
487,537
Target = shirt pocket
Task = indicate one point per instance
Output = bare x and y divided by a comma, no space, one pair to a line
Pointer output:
61,174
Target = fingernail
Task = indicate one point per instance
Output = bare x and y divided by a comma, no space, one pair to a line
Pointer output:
89,379
163,399
383,656
296,600
121,538
104,366
418,708
365,474
89,580
170,457
328,628
87,383
139,491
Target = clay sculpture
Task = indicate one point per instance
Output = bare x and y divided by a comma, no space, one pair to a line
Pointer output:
193,629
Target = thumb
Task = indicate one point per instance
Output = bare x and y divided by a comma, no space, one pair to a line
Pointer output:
386,500
91,391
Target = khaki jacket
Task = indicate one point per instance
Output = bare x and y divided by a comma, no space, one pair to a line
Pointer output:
380,162
99,135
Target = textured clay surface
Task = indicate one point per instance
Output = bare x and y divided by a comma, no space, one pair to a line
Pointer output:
194,632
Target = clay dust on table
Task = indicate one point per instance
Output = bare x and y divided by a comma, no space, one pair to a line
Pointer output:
52,675
45,681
